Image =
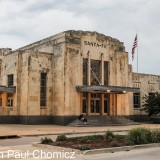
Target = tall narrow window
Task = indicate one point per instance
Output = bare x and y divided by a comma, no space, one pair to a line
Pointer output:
43,85
10,80
95,72
105,73
136,100
106,103
85,64
84,107
0,100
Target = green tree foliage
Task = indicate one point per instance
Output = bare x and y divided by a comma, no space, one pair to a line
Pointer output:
152,103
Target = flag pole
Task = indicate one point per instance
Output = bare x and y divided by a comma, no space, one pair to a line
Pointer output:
137,50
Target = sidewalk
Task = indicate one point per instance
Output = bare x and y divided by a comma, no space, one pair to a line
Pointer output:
26,130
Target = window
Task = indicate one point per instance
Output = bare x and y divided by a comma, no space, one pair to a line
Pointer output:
136,100
105,73
84,107
85,64
106,103
95,72
43,89
10,100
10,79
0,101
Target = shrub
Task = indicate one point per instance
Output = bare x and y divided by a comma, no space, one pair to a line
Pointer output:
61,137
46,140
139,135
110,134
155,136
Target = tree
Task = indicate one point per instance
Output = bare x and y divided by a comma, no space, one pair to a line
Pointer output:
151,104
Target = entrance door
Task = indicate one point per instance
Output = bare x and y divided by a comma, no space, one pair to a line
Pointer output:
95,104
106,103
84,103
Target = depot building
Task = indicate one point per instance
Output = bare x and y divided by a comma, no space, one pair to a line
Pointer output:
54,80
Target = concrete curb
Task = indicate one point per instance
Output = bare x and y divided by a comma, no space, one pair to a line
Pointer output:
70,133
98,151
117,149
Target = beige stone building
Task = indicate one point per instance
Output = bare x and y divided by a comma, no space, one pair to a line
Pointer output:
58,78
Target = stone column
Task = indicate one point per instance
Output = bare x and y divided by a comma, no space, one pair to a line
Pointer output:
88,103
102,104
89,69
102,69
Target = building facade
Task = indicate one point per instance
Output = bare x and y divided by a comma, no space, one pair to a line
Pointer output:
58,78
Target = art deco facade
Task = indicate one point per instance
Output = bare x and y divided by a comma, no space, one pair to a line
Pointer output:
58,78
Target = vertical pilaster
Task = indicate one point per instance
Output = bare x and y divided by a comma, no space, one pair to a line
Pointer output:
113,104
89,69
102,69
4,99
88,104
102,104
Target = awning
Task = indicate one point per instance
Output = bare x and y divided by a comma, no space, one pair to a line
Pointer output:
107,89
10,89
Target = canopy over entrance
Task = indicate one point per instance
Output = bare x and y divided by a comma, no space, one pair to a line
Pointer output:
107,89
10,89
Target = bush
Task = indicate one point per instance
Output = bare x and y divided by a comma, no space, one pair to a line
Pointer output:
110,134
155,136
46,140
61,137
139,135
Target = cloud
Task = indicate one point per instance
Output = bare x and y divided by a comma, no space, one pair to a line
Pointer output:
26,21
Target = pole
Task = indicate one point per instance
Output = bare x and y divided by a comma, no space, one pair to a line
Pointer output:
137,50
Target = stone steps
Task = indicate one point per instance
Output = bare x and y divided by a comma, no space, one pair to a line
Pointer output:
103,121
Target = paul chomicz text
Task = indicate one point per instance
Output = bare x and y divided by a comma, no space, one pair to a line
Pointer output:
37,154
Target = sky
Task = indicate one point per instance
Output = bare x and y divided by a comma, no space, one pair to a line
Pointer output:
25,21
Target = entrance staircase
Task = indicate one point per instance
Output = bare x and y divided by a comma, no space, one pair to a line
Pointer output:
103,121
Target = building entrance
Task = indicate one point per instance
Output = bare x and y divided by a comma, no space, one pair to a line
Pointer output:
106,103
95,104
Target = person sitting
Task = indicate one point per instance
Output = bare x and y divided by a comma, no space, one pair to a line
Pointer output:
83,119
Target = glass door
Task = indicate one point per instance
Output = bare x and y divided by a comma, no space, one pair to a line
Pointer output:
106,103
95,104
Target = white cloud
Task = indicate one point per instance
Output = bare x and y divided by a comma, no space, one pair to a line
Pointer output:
26,21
